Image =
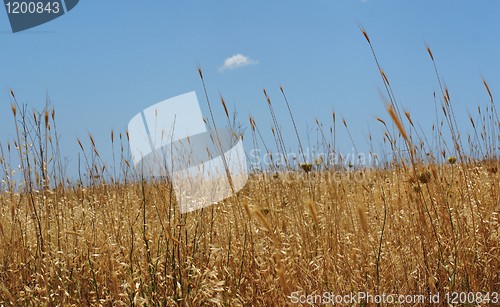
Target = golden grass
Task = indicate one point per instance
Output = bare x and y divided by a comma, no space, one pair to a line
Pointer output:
97,248
425,223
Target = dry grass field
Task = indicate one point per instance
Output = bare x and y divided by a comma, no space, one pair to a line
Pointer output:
426,222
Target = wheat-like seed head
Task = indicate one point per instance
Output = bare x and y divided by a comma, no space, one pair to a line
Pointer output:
397,121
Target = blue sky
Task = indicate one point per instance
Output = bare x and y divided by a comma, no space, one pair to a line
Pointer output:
105,61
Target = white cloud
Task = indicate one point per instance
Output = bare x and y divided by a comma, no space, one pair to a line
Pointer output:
237,60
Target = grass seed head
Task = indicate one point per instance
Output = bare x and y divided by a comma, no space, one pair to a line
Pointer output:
397,121
306,167
363,219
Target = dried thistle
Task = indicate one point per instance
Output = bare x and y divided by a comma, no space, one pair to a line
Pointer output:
424,177
306,167
452,159
312,209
